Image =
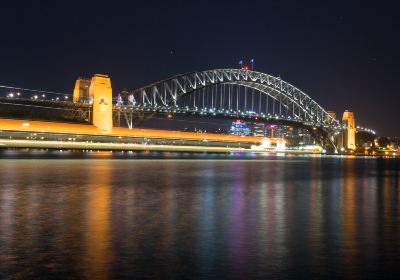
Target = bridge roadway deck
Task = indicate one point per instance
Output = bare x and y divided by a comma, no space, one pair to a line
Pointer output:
55,128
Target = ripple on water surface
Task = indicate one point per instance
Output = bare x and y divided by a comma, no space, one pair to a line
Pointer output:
204,216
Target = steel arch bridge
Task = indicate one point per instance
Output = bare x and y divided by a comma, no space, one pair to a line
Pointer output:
236,92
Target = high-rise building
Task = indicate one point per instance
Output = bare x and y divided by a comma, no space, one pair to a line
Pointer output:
349,130
240,128
258,129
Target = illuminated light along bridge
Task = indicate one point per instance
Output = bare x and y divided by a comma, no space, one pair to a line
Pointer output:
220,93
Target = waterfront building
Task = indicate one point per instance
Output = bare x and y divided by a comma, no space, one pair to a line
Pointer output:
240,128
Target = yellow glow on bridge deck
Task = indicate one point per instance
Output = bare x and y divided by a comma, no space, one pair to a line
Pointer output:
68,128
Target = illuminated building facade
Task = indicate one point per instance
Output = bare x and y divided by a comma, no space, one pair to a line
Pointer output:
258,129
240,128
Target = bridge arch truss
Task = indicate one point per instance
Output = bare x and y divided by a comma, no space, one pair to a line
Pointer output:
233,91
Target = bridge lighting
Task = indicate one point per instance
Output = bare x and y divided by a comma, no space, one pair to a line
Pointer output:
280,145
266,143
35,97
43,95
18,94
66,97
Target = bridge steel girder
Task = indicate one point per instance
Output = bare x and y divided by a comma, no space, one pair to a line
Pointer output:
166,93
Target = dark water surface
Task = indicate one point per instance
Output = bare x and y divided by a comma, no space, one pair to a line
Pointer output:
212,217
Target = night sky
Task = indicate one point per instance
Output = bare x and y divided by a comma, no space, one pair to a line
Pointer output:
345,55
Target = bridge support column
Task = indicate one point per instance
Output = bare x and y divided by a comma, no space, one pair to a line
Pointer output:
349,131
101,92
81,90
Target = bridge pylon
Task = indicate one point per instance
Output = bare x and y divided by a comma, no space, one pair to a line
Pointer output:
349,130
101,93
81,90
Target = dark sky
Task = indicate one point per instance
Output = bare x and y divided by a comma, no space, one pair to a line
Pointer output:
344,54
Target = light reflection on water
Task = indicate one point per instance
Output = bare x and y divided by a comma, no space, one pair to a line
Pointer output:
264,217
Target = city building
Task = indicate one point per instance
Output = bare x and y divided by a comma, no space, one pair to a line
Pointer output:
258,129
240,128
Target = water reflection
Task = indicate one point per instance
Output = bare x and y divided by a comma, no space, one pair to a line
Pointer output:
98,229
273,218
350,224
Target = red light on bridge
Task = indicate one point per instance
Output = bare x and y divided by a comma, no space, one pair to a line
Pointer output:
246,67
